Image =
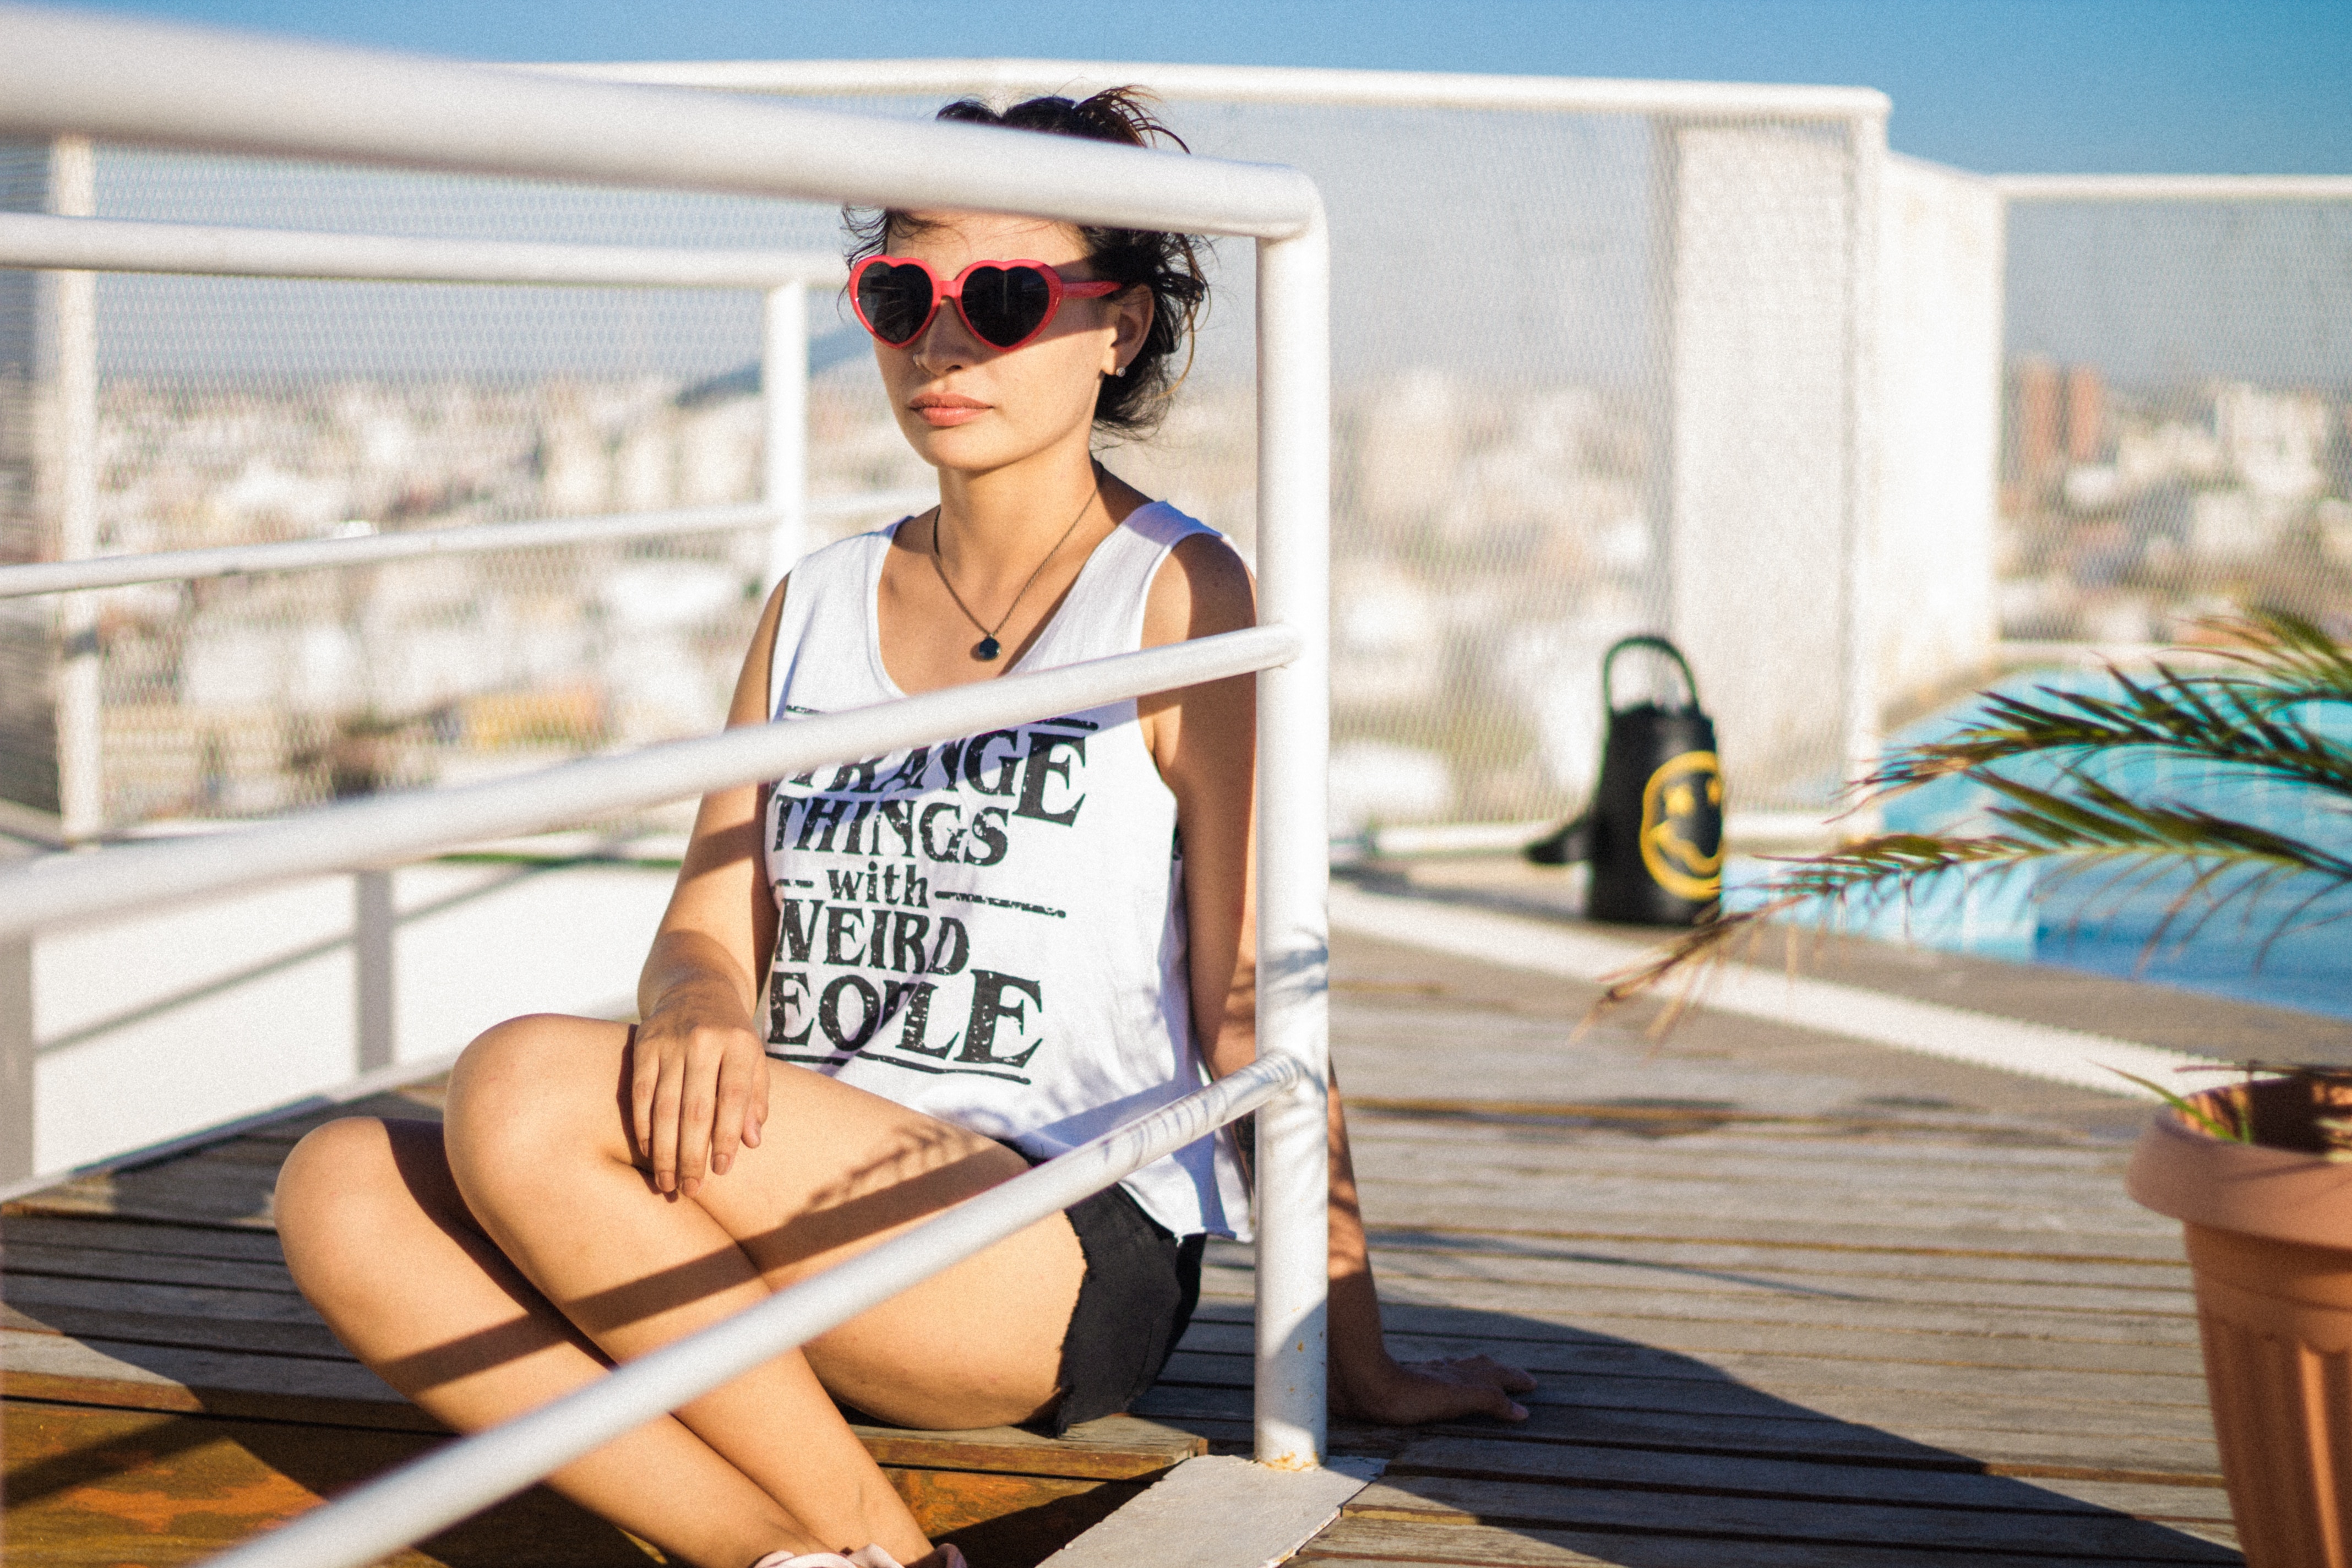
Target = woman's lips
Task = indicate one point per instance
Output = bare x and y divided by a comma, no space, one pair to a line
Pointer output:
941,411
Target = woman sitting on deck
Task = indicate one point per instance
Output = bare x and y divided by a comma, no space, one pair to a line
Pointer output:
885,987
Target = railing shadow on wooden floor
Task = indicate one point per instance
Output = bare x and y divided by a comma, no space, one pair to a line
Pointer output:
1639,1453
1635,1455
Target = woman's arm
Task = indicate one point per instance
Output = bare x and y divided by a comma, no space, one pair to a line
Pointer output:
1367,1383
1205,741
698,1084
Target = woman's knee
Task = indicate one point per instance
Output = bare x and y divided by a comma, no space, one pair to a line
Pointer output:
347,1186
532,1093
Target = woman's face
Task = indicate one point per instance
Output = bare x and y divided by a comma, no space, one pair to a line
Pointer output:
969,407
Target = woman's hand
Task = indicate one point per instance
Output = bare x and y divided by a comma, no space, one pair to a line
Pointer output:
697,1084
1409,1394
698,1070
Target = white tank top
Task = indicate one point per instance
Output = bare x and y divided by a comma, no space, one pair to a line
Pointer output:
992,930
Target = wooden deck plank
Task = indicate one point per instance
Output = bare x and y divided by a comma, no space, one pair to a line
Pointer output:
1804,1384
110,1235
1365,1542
1684,1132
1921,1166
1613,1199
1544,1303
32,1292
1501,1458
209,1197
1574,1351
1796,1261
1991,1413
1699,1221
91,1488
1445,1500
1912,1162
186,1486
33,1259
192,1333
1596,1276
1822,1437
1631,1385
339,1392
1443,1330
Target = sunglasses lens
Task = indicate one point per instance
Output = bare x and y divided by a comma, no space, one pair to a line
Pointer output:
1005,304
896,301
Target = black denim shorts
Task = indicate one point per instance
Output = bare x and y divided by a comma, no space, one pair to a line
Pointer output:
1141,1288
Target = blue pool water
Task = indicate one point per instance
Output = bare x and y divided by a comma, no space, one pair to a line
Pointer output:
2088,922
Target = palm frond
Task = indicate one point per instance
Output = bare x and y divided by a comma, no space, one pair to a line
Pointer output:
2244,724
2290,658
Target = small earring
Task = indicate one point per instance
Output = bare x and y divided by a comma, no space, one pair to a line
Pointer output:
1119,370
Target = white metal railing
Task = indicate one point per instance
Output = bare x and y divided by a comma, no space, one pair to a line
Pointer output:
134,80
2173,187
374,549
88,244
81,245
385,828
108,245
117,244
128,79
1286,85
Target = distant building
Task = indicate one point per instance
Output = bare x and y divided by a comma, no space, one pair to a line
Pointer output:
2086,413
2038,435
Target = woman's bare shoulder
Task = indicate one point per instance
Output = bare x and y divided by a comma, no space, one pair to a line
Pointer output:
1203,587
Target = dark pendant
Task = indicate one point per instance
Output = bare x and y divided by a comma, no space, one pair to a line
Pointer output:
986,648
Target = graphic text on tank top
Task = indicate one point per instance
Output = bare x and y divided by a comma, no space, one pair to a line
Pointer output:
881,864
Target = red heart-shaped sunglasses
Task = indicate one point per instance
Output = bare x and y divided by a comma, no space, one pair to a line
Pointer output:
1006,303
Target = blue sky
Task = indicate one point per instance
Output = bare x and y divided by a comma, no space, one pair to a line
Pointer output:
2097,86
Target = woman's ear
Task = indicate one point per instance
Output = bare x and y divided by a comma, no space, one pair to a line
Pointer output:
1131,317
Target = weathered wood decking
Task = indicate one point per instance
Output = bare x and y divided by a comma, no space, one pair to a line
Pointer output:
1793,1300
168,1393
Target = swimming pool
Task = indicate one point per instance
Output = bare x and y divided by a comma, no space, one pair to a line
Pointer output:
2088,921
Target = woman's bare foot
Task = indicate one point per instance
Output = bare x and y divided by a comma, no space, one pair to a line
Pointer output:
864,1557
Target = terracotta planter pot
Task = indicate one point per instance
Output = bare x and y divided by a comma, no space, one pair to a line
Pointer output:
2270,1246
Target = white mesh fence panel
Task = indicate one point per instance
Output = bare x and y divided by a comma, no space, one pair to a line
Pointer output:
2177,418
1594,374
1762,377
235,410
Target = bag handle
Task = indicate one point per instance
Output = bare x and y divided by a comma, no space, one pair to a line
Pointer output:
1656,645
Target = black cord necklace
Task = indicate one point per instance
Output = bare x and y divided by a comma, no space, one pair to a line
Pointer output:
988,647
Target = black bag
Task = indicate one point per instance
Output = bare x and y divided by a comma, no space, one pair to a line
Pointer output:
1654,830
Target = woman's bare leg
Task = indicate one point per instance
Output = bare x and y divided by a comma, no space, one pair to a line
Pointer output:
539,1144
380,1243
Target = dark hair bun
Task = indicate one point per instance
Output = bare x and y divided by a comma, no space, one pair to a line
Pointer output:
1167,264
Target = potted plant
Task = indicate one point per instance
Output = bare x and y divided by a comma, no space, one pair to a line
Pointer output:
2259,1172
